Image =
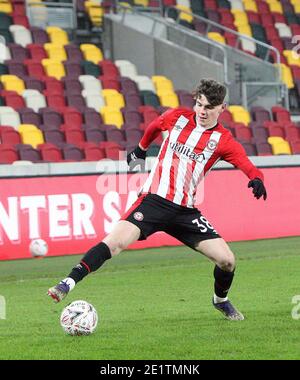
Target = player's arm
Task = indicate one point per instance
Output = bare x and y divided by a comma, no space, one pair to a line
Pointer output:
150,134
234,153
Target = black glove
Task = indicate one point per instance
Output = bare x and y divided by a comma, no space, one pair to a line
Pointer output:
136,157
258,188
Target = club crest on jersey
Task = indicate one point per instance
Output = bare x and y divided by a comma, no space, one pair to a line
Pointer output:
138,216
211,144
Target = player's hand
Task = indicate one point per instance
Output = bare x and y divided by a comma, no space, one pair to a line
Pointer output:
258,188
136,157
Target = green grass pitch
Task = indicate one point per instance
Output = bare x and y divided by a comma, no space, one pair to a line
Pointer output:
156,304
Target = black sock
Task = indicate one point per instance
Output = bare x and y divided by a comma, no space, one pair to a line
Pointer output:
91,261
223,282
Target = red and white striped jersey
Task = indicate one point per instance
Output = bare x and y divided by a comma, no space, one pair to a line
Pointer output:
188,154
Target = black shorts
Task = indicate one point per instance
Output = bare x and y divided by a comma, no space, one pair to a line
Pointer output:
152,213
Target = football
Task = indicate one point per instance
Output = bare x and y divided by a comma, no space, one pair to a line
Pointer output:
79,318
38,248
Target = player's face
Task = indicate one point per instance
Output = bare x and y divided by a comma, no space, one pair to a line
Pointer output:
206,114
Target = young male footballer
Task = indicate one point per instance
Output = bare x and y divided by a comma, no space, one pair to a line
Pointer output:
195,143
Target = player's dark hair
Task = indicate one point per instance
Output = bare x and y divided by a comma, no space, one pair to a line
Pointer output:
214,91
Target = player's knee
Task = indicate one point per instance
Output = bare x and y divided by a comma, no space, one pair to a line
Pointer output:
227,263
116,247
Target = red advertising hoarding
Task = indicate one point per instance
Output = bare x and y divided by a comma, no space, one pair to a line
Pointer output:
73,213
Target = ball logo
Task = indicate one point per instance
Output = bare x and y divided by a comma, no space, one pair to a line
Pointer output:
138,216
212,144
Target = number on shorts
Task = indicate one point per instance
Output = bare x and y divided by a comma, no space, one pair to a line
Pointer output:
204,226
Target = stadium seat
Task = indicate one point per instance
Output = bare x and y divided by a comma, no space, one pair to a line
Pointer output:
54,68
34,99
279,145
264,149
29,153
55,137
21,35
95,135
74,136
55,52
9,117
9,136
91,53
240,114
72,153
295,146
144,83
126,69
113,98
13,83
50,153
8,154
112,115
94,153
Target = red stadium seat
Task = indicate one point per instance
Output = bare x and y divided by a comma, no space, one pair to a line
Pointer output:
10,136
295,146
94,153
51,153
8,154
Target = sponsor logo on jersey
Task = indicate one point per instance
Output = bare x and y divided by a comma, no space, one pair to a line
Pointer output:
186,151
138,216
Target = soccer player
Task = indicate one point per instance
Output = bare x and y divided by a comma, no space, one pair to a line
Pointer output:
195,142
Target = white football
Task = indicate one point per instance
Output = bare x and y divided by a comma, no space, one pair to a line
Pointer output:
79,318
38,248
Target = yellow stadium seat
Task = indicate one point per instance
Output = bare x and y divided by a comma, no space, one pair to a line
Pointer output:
240,114
6,8
245,29
216,37
279,145
250,5
57,35
56,52
164,91
159,79
292,58
113,116
287,76
96,15
124,5
276,8
27,128
297,8
162,84
12,83
113,98
144,3
59,38
95,11
169,100
33,138
91,53
53,68
240,17
185,13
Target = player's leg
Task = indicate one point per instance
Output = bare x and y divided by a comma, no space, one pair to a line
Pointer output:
195,231
218,251
119,239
